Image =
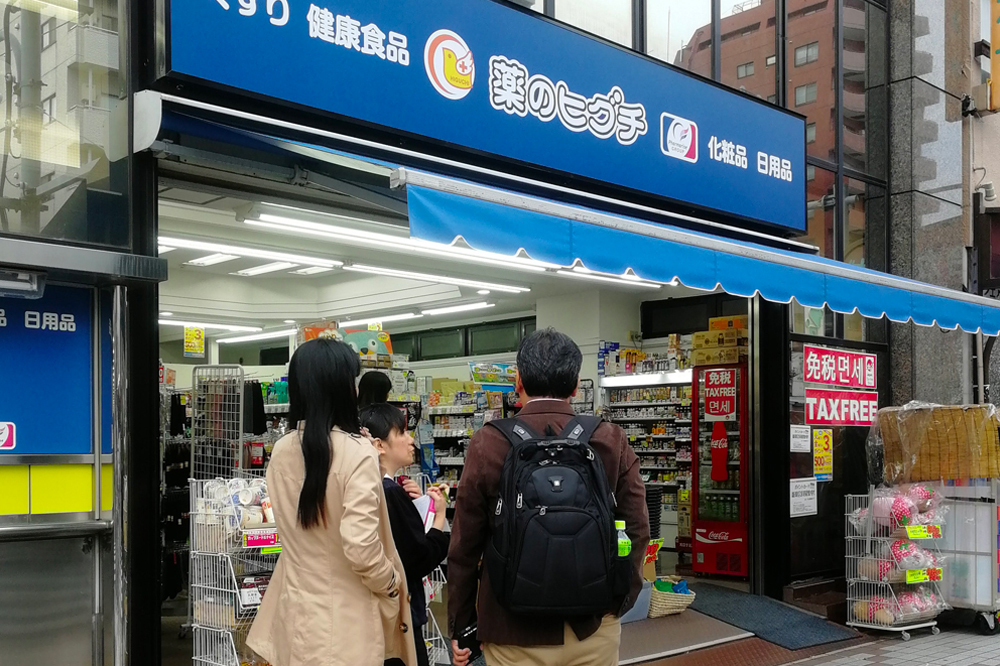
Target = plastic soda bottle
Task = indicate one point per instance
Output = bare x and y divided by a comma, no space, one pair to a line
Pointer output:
624,543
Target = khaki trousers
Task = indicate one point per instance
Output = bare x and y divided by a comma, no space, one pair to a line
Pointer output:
601,649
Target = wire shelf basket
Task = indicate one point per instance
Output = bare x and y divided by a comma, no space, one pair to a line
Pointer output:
226,589
218,648
217,421
893,574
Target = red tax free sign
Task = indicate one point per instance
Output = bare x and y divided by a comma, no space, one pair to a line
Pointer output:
839,368
840,407
720,395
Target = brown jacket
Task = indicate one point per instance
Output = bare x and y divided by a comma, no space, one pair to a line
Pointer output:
477,498
338,594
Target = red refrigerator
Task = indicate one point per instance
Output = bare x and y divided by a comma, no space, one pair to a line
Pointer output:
719,477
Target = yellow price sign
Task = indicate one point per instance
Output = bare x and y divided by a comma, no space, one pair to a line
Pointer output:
923,575
923,532
270,550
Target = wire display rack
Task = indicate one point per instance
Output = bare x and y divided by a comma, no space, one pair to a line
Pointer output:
217,421
438,649
882,593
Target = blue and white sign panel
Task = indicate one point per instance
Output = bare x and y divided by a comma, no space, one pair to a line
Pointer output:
487,77
46,354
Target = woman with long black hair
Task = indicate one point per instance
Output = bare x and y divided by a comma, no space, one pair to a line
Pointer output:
338,595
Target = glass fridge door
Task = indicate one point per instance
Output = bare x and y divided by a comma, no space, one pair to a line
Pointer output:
719,418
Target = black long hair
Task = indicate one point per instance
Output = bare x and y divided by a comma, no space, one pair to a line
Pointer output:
321,392
382,419
373,388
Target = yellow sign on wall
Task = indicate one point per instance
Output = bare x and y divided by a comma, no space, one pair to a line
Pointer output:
194,342
823,454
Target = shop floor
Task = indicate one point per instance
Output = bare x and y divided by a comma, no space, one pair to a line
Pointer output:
674,634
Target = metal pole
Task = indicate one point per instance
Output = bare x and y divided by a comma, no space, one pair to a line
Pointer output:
980,370
119,429
97,627
30,111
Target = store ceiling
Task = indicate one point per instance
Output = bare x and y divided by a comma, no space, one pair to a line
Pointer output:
219,293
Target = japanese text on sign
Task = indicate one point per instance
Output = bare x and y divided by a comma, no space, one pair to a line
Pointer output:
823,454
840,407
720,395
349,33
840,368
727,152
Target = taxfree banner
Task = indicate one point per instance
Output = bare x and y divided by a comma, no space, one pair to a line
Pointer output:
829,408
484,76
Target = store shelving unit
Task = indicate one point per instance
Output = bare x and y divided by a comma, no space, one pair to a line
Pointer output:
877,587
659,430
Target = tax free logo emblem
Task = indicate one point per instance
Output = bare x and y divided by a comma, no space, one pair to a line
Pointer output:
679,137
449,64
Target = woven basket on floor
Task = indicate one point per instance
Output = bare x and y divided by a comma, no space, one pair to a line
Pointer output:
668,603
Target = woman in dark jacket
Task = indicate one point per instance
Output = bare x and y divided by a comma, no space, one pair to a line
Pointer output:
421,550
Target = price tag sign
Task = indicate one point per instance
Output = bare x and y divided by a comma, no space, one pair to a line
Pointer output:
924,575
653,550
260,538
923,532
270,550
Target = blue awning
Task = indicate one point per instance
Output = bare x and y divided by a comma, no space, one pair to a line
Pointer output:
508,223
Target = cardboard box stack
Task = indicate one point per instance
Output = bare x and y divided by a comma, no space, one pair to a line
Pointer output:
725,342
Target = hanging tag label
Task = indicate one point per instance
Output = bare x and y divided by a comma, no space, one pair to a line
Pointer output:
260,538
923,532
923,575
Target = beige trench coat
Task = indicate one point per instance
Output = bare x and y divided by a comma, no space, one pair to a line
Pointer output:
328,602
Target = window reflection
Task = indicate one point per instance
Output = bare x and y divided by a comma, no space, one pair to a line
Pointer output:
810,70
60,178
864,224
865,100
611,19
821,204
747,40
680,32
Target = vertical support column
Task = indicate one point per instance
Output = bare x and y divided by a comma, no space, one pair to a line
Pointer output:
97,619
30,110
120,452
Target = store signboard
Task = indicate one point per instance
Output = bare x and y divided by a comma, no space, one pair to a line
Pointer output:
720,394
488,78
836,367
840,408
47,358
194,342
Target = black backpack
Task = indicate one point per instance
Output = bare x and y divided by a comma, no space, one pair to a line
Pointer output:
554,549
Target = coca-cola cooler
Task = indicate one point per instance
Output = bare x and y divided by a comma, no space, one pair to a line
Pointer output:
719,476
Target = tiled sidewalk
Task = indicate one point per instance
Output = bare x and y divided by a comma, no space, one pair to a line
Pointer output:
952,647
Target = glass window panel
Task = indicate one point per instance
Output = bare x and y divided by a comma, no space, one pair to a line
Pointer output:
402,343
864,224
748,33
59,176
820,211
810,132
680,32
744,70
812,52
494,338
865,96
448,343
771,60
611,19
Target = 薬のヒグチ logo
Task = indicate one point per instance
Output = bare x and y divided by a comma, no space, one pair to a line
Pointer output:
449,64
679,137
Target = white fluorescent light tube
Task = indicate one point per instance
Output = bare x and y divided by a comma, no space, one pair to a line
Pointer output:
221,327
312,270
442,279
585,275
380,320
458,308
398,243
212,260
270,335
659,379
240,251
163,249
266,268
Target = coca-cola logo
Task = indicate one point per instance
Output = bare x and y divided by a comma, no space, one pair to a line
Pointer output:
720,443
718,536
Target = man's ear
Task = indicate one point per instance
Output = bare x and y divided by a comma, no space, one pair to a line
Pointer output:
518,386
577,389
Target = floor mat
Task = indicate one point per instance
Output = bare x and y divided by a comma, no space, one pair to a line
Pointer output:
674,634
768,619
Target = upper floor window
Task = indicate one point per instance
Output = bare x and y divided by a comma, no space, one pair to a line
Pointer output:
805,94
744,70
807,54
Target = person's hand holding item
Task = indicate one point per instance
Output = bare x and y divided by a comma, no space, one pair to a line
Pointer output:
459,656
440,506
411,488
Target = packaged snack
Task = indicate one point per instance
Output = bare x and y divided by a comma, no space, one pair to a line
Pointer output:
891,508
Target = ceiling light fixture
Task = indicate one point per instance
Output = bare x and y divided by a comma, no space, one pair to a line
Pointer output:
403,244
163,249
289,321
483,292
442,279
211,260
166,314
266,268
381,320
270,335
205,325
312,270
600,277
242,251
459,308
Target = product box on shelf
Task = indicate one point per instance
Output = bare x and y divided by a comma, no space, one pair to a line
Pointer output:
721,323
732,337
684,521
718,356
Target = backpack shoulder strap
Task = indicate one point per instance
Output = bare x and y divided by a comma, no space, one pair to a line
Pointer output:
581,428
514,430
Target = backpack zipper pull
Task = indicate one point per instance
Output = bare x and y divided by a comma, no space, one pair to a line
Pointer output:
520,503
541,512
499,505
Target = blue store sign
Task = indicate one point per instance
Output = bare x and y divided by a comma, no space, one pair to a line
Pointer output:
484,76
47,358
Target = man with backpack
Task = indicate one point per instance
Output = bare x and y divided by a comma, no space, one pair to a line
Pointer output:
535,536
